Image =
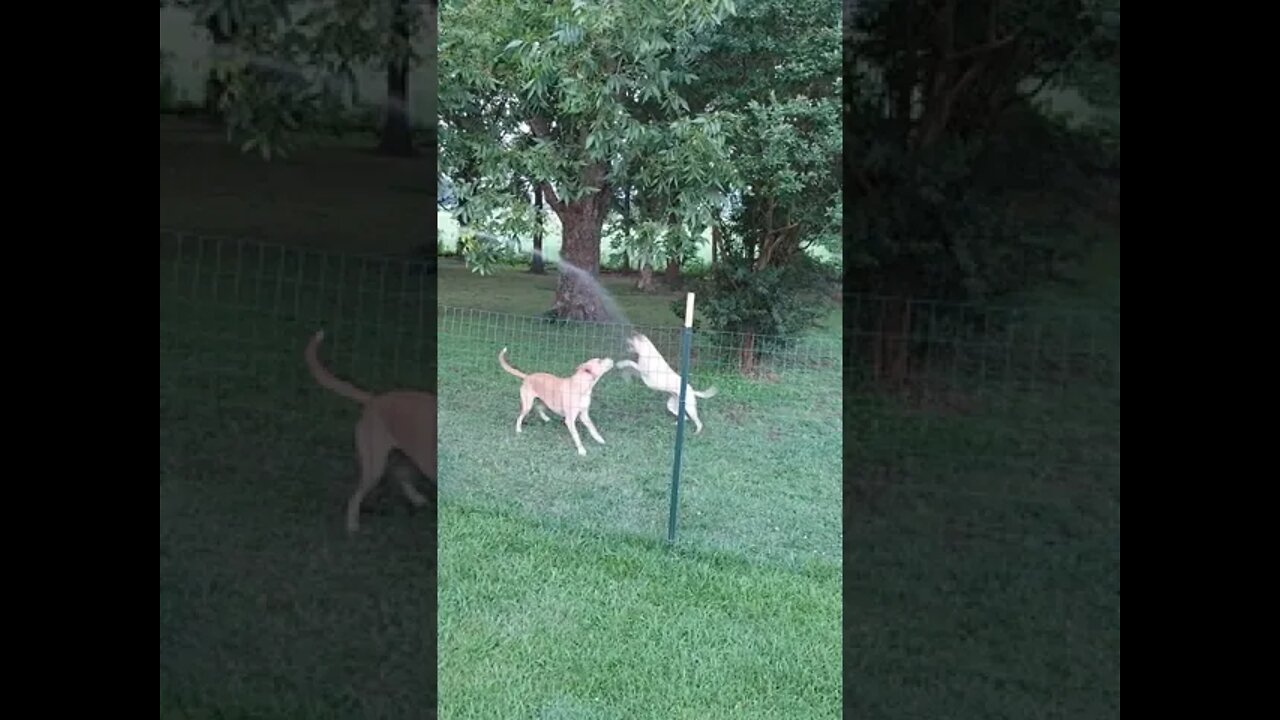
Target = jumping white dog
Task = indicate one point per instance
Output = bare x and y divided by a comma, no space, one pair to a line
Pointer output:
658,375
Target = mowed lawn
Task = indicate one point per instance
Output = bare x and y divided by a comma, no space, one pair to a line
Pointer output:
268,609
554,607
539,622
584,611
762,479
983,573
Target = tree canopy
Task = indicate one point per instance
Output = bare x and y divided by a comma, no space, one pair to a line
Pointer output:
965,185
775,68
574,97
678,116
284,69
946,140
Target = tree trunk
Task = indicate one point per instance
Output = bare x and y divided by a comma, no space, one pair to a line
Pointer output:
577,294
538,266
715,243
397,136
626,228
646,277
213,86
677,251
892,344
747,354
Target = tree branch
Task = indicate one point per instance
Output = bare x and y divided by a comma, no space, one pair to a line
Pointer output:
771,242
967,79
1056,71
988,47
549,194
941,98
542,129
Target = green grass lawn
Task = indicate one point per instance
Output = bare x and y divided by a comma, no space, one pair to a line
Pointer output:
541,621
237,406
761,480
982,578
334,197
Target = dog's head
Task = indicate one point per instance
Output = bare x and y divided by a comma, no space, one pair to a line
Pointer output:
595,367
641,345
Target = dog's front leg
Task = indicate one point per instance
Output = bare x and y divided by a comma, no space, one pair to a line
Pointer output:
591,427
569,422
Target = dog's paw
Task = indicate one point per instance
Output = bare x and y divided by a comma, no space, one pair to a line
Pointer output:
582,451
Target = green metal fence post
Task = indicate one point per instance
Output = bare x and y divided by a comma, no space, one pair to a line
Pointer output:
686,340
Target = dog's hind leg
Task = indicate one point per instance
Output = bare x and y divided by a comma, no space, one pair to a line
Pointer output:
424,459
412,493
690,408
527,397
373,463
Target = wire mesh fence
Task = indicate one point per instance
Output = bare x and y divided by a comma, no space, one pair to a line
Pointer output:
235,315
762,478
981,459
256,465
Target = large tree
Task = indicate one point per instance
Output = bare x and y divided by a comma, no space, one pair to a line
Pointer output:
775,67
397,134
571,94
283,67
963,187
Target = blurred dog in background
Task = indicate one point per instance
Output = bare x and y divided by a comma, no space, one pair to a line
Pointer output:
399,419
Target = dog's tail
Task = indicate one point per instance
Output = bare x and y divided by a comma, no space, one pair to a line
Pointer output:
326,379
709,392
502,360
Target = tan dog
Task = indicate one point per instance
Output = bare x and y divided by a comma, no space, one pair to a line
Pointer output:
399,419
658,375
568,397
